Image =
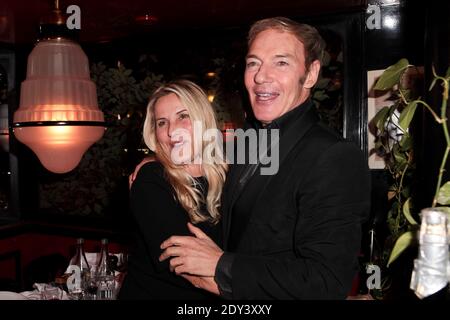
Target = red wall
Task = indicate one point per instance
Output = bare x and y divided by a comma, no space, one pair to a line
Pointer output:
35,245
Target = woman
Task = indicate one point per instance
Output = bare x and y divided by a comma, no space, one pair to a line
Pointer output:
183,185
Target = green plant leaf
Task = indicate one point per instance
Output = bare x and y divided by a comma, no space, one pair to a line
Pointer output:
447,74
399,156
322,83
406,93
407,213
380,118
379,146
406,142
432,84
320,95
446,209
407,115
444,194
392,109
406,191
402,243
391,76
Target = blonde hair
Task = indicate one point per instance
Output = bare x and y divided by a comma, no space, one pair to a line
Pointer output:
213,165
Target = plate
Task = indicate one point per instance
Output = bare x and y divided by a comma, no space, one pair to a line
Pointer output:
9,295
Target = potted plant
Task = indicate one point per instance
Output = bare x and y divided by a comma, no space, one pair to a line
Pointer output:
392,128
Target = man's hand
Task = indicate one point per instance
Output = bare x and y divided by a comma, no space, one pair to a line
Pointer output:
205,283
192,255
133,176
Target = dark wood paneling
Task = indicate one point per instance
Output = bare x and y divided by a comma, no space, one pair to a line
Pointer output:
112,19
430,141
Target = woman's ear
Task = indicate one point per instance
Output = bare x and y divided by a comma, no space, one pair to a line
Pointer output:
313,75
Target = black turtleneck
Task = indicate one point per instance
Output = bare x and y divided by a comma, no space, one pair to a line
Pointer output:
243,208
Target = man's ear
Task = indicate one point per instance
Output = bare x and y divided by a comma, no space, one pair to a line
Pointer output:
313,75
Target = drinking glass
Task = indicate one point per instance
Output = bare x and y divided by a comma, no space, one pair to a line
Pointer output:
51,293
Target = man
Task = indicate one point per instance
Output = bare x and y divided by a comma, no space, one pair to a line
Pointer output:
295,234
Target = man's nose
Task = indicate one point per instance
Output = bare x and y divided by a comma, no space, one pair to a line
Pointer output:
263,74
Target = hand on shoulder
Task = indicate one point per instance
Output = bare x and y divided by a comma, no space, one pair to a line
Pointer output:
133,176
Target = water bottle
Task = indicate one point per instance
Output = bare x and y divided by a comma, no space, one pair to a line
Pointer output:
78,281
105,275
431,268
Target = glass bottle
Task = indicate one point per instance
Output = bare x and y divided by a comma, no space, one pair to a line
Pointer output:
105,275
78,284
431,268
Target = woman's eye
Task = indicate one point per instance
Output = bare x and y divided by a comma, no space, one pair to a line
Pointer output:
160,124
184,116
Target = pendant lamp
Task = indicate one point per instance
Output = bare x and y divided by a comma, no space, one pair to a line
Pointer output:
58,117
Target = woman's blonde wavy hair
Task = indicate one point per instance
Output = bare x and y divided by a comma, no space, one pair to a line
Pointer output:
213,165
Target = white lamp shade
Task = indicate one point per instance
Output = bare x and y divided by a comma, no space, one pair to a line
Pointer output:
58,89
59,148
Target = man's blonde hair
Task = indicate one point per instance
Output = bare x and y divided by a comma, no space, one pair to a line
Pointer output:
306,34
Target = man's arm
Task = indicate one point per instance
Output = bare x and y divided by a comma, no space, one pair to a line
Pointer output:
194,258
205,283
196,255
133,176
332,201
199,260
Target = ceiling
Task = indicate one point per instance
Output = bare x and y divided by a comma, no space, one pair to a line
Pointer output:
104,20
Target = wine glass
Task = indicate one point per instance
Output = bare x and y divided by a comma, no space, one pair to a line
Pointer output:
51,293
92,285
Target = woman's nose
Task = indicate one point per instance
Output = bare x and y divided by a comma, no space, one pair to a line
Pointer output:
171,127
169,130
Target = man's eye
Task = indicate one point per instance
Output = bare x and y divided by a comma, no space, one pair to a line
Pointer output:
282,63
250,64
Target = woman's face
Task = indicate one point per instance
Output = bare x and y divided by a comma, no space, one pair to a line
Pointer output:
174,129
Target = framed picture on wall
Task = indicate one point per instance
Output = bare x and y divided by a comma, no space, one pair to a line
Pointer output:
376,100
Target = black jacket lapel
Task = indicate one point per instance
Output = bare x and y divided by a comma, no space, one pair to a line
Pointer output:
289,139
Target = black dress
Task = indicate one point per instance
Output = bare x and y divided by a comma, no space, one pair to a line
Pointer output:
158,216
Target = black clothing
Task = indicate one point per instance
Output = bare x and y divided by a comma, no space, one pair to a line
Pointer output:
158,216
295,234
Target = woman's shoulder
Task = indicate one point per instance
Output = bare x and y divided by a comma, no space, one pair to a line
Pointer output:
151,179
151,172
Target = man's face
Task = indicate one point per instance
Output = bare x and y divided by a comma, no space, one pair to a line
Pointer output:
275,74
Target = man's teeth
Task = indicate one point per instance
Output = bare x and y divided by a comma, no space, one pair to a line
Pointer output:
265,95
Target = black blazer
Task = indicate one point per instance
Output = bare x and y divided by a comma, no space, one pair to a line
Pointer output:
301,235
